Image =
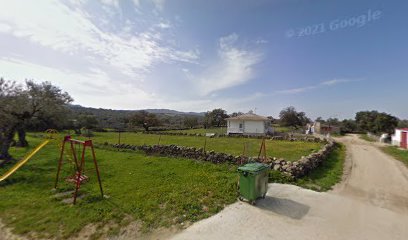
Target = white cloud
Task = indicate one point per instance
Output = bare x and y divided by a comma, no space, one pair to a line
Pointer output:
137,3
158,4
228,41
71,31
102,68
4,27
320,85
113,3
261,41
337,81
233,67
297,90
164,25
94,88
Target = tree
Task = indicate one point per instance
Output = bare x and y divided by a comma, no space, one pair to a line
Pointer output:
207,119
190,122
289,117
320,119
403,124
143,119
348,126
87,121
236,114
21,103
333,121
215,118
375,122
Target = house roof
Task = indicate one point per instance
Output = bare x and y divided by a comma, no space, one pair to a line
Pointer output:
249,116
403,129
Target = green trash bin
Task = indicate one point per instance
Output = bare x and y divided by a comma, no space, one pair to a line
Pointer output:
253,181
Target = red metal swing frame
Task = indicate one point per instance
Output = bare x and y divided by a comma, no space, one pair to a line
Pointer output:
79,177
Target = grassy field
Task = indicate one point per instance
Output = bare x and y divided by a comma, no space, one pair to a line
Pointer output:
397,153
158,191
291,151
281,129
221,130
322,178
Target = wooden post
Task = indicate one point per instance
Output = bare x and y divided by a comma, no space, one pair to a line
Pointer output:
262,151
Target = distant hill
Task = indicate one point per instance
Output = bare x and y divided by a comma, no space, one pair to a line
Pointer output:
110,118
169,111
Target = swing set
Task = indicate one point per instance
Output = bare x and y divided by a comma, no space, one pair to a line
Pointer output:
78,150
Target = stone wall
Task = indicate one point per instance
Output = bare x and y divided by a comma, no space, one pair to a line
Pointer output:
304,165
295,169
185,152
286,137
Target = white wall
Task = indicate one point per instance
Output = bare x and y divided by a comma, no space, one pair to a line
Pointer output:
254,127
249,127
396,138
233,126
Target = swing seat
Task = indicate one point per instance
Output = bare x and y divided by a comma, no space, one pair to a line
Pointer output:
73,179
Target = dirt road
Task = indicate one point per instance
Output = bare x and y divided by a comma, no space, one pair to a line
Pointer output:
370,203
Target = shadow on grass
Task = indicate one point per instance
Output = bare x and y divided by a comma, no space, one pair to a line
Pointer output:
282,206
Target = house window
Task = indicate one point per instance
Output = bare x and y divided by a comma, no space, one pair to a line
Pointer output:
241,126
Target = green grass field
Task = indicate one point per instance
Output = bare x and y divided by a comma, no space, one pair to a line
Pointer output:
158,191
281,129
220,130
397,153
223,130
291,151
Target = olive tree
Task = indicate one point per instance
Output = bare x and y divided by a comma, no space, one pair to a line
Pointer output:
289,117
19,104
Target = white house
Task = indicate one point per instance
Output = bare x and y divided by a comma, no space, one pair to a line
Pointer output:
400,138
249,124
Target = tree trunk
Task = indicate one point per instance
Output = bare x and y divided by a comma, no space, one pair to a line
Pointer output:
22,142
6,141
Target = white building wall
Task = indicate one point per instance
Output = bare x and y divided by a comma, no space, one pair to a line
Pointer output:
254,127
233,126
396,138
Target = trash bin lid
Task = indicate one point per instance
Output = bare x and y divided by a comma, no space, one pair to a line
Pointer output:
253,167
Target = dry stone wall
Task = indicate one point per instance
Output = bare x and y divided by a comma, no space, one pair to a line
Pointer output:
294,170
287,137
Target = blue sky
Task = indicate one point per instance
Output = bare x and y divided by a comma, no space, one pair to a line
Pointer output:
327,58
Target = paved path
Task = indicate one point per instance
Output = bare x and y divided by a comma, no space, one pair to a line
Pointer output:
370,203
